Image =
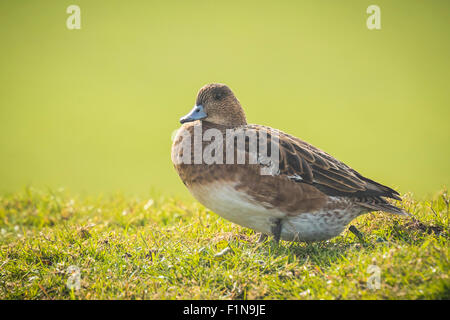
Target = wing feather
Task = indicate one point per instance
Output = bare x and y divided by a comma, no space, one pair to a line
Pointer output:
303,163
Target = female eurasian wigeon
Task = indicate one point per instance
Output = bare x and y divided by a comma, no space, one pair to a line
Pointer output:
307,195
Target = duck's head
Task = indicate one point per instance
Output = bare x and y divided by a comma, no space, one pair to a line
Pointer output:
217,104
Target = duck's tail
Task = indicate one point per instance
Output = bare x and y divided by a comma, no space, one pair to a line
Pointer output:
380,204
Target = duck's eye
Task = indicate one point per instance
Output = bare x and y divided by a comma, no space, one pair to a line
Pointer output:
218,96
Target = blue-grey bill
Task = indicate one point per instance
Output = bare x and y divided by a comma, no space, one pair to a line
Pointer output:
197,113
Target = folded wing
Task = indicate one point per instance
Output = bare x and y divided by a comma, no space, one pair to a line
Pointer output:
304,163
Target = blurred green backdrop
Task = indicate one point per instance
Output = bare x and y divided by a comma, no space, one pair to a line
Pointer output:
93,110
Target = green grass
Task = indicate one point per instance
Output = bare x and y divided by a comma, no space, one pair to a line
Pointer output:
130,248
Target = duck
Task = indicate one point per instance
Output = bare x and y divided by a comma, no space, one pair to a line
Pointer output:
277,185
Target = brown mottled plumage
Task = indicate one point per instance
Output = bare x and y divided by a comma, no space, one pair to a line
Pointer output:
312,197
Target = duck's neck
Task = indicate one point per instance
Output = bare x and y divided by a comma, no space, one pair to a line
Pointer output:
221,126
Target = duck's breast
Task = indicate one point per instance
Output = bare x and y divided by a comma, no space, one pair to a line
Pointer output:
235,205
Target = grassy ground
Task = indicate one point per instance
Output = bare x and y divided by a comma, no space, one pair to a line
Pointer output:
128,248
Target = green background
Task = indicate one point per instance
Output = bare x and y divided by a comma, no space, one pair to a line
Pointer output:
93,110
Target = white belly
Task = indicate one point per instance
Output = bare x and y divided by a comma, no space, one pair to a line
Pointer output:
238,207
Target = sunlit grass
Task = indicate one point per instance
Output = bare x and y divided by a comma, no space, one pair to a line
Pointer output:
130,248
